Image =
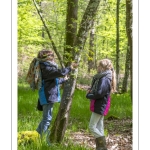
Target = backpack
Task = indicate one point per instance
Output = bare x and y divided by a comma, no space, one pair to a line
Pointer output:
33,77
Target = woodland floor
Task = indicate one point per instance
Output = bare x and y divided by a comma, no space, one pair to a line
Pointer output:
119,136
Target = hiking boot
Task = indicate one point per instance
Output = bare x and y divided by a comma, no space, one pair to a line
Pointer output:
101,143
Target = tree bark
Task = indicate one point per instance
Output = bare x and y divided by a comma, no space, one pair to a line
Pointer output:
117,46
60,124
91,49
85,26
71,29
129,35
127,70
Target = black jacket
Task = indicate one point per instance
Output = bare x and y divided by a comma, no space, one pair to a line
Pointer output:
100,97
50,82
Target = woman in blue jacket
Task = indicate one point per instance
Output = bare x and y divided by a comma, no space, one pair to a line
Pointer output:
49,92
103,84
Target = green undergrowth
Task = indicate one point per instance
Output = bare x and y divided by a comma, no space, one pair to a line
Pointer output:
29,117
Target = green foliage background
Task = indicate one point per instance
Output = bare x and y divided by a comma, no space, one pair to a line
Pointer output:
30,30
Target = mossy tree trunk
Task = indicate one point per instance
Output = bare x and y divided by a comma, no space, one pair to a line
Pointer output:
129,35
91,49
127,70
117,45
61,122
71,30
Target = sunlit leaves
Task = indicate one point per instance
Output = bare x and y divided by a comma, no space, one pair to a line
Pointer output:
29,25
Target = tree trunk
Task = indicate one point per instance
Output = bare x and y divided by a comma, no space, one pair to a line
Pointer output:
127,69
117,46
91,49
61,122
71,29
85,26
129,35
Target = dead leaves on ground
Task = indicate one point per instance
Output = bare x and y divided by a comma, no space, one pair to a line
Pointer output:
119,136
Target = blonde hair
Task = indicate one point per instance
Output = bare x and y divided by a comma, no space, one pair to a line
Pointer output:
106,64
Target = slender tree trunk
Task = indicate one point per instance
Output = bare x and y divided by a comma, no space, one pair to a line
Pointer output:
129,35
127,69
104,40
61,122
117,46
91,49
43,35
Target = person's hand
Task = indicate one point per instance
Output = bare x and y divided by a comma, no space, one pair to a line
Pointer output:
66,78
74,66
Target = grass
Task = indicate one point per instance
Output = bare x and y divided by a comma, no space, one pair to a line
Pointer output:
121,106
29,117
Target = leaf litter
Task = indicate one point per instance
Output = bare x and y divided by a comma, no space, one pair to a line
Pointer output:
119,135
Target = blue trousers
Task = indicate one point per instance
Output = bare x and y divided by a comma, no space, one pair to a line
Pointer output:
47,117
